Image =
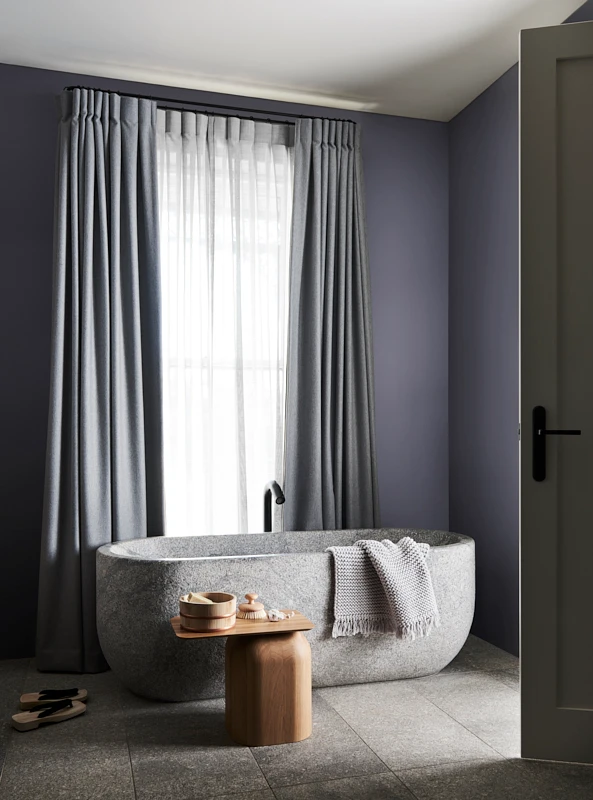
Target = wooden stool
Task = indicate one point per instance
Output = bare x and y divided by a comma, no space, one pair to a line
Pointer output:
267,679
268,688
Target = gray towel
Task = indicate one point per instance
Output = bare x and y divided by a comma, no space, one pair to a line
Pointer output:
383,587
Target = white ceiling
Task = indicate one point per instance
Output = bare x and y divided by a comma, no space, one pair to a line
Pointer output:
416,58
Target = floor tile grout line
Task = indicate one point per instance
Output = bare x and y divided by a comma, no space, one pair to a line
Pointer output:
267,784
261,770
438,765
125,710
445,673
355,732
472,671
370,748
129,752
496,676
410,790
387,771
327,780
434,766
468,730
406,787
224,794
124,713
434,676
361,775
446,764
516,765
417,692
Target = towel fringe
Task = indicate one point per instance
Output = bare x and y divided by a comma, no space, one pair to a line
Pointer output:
418,628
366,626
351,625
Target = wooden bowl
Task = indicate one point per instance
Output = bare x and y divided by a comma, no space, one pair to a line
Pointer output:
220,615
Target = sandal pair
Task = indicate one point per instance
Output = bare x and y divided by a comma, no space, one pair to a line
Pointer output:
49,705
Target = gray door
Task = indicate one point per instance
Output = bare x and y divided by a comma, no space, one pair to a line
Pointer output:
557,378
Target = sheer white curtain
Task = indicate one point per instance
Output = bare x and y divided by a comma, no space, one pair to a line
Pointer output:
225,192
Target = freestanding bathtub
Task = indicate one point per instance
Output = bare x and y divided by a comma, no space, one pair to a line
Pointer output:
139,583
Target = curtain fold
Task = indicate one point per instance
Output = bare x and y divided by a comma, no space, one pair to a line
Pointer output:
225,187
104,453
331,471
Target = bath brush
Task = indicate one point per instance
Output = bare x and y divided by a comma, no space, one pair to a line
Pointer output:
251,610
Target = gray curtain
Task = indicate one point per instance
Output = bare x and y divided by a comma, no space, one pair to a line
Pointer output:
331,471
104,455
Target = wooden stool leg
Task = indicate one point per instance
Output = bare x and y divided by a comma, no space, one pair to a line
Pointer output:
268,689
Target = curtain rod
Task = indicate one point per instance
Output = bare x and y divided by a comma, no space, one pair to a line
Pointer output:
205,105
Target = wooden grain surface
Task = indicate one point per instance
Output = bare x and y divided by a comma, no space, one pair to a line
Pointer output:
268,689
248,627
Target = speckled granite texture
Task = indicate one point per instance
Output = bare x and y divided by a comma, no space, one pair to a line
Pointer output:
139,583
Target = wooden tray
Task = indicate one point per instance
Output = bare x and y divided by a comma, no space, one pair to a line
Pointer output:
249,627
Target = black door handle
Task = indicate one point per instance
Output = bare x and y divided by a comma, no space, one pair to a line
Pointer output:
539,441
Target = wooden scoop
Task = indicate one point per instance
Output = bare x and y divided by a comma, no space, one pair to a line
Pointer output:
195,597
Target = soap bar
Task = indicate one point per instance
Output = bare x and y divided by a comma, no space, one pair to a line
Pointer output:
194,597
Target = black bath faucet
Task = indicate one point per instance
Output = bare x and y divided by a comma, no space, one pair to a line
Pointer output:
272,488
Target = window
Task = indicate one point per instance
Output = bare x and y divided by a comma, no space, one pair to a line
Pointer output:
225,194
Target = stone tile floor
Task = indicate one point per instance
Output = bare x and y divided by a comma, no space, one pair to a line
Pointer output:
453,736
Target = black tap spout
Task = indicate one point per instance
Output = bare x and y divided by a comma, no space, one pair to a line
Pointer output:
272,489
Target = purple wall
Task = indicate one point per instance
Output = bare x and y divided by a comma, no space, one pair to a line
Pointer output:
583,14
484,346
483,352
407,209
406,174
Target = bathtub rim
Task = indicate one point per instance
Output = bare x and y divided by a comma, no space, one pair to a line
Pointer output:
116,549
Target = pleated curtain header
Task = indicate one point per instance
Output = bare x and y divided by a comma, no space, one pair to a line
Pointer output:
89,103
85,104
231,129
328,133
81,105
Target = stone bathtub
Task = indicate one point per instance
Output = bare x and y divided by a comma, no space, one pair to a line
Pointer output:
139,583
